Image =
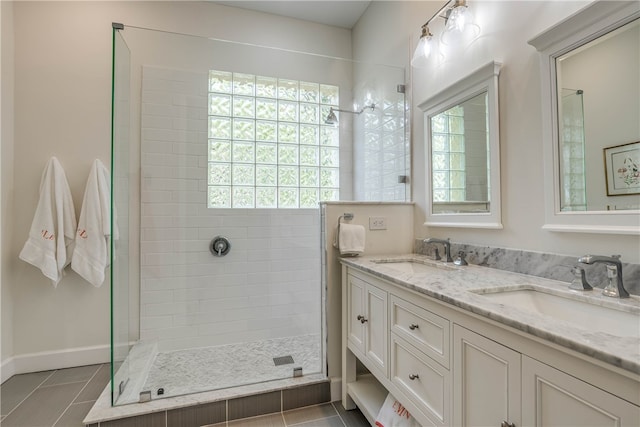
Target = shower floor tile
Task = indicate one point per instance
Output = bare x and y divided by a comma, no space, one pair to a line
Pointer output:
211,368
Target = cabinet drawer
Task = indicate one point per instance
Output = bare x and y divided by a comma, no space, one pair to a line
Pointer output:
427,331
421,379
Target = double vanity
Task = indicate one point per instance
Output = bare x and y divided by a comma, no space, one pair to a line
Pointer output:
475,346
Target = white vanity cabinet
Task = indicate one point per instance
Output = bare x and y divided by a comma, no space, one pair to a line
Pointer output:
486,381
552,398
367,330
450,367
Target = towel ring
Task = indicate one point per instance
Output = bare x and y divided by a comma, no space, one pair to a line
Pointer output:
346,217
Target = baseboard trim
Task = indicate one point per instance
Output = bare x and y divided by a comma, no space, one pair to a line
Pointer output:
7,369
48,360
336,388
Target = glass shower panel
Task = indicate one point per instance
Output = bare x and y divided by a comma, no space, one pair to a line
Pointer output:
120,253
213,127
381,137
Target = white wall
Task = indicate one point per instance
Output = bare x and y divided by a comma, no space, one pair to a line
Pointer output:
6,182
506,27
62,107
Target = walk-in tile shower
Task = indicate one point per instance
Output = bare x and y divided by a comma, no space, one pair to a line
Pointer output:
221,153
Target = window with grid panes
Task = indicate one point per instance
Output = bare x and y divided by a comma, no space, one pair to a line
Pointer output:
448,156
268,144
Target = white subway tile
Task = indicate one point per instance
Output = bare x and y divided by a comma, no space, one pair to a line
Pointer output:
156,322
153,97
186,123
156,297
160,147
156,196
190,100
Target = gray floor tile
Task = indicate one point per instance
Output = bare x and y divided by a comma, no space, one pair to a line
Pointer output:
17,388
43,407
74,415
274,420
323,422
353,418
96,385
72,375
311,413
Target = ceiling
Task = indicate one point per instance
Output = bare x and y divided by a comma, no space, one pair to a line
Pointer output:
337,13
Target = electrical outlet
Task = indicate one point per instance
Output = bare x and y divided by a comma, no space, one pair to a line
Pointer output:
377,223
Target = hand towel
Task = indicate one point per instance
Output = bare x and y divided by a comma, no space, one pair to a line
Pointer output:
349,239
91,254
50,243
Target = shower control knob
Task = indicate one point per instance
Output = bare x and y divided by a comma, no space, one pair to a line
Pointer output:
220,246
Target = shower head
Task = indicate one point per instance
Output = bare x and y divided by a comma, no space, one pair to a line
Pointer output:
332,119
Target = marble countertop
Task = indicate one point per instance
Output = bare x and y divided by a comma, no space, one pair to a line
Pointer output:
459,286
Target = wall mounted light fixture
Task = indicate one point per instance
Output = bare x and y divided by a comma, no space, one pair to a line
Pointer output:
332,119
459,28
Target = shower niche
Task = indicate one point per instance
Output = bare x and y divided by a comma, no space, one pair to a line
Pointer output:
215,138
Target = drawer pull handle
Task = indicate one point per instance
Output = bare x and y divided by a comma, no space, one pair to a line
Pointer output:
413,326
414,377
361,318
507,424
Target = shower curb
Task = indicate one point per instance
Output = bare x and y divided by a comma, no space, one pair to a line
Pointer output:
213,407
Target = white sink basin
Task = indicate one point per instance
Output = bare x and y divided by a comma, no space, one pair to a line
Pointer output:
415,267
622,321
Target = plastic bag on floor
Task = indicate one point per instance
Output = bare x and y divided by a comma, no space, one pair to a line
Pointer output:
394,414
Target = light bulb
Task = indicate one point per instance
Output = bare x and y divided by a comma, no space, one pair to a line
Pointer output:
460,27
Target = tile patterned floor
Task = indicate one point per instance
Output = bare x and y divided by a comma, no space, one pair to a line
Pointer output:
62,398
59,398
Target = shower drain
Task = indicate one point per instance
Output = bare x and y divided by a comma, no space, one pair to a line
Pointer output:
282,360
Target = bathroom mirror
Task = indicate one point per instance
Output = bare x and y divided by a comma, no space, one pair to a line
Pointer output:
590,65
462,152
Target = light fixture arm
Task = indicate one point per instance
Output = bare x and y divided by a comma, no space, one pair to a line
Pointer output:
438,14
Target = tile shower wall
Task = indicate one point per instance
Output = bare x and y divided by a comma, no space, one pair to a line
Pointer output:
268,284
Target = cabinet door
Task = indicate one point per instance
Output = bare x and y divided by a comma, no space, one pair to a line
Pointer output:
356,290
377,330
553,398
486,381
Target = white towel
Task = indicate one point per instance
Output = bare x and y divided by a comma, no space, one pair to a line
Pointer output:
349,239
50,242
91,255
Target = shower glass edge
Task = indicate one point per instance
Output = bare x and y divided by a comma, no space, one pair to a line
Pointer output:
119,242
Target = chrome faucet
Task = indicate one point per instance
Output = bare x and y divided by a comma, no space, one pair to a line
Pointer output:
445,243
614,273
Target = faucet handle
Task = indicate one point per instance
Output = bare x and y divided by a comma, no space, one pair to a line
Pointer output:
579,281
460,259
436,256
611,290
